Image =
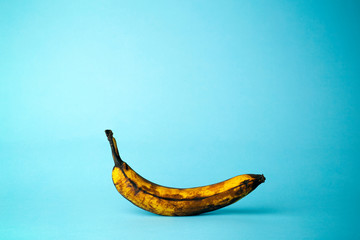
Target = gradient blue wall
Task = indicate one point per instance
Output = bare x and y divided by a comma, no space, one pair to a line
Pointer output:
195,92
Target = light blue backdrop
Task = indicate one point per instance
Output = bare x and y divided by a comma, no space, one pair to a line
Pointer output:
196,92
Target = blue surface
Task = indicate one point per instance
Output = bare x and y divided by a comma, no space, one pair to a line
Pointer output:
196,92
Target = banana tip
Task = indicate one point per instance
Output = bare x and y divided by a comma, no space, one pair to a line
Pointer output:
262,178
259,178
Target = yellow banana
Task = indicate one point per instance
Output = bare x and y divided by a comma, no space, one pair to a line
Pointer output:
177,201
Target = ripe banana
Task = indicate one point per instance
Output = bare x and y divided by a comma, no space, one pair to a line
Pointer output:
177,201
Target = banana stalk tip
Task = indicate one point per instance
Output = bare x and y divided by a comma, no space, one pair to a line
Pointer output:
108,133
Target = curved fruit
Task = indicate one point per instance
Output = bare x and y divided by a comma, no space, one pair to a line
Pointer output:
177,201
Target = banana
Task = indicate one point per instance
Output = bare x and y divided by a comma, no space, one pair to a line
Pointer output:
177,201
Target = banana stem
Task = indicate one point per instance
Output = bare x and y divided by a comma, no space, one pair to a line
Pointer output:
114,149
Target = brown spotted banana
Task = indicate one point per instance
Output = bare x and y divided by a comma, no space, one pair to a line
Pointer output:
169,201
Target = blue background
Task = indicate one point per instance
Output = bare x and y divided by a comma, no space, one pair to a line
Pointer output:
195,92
